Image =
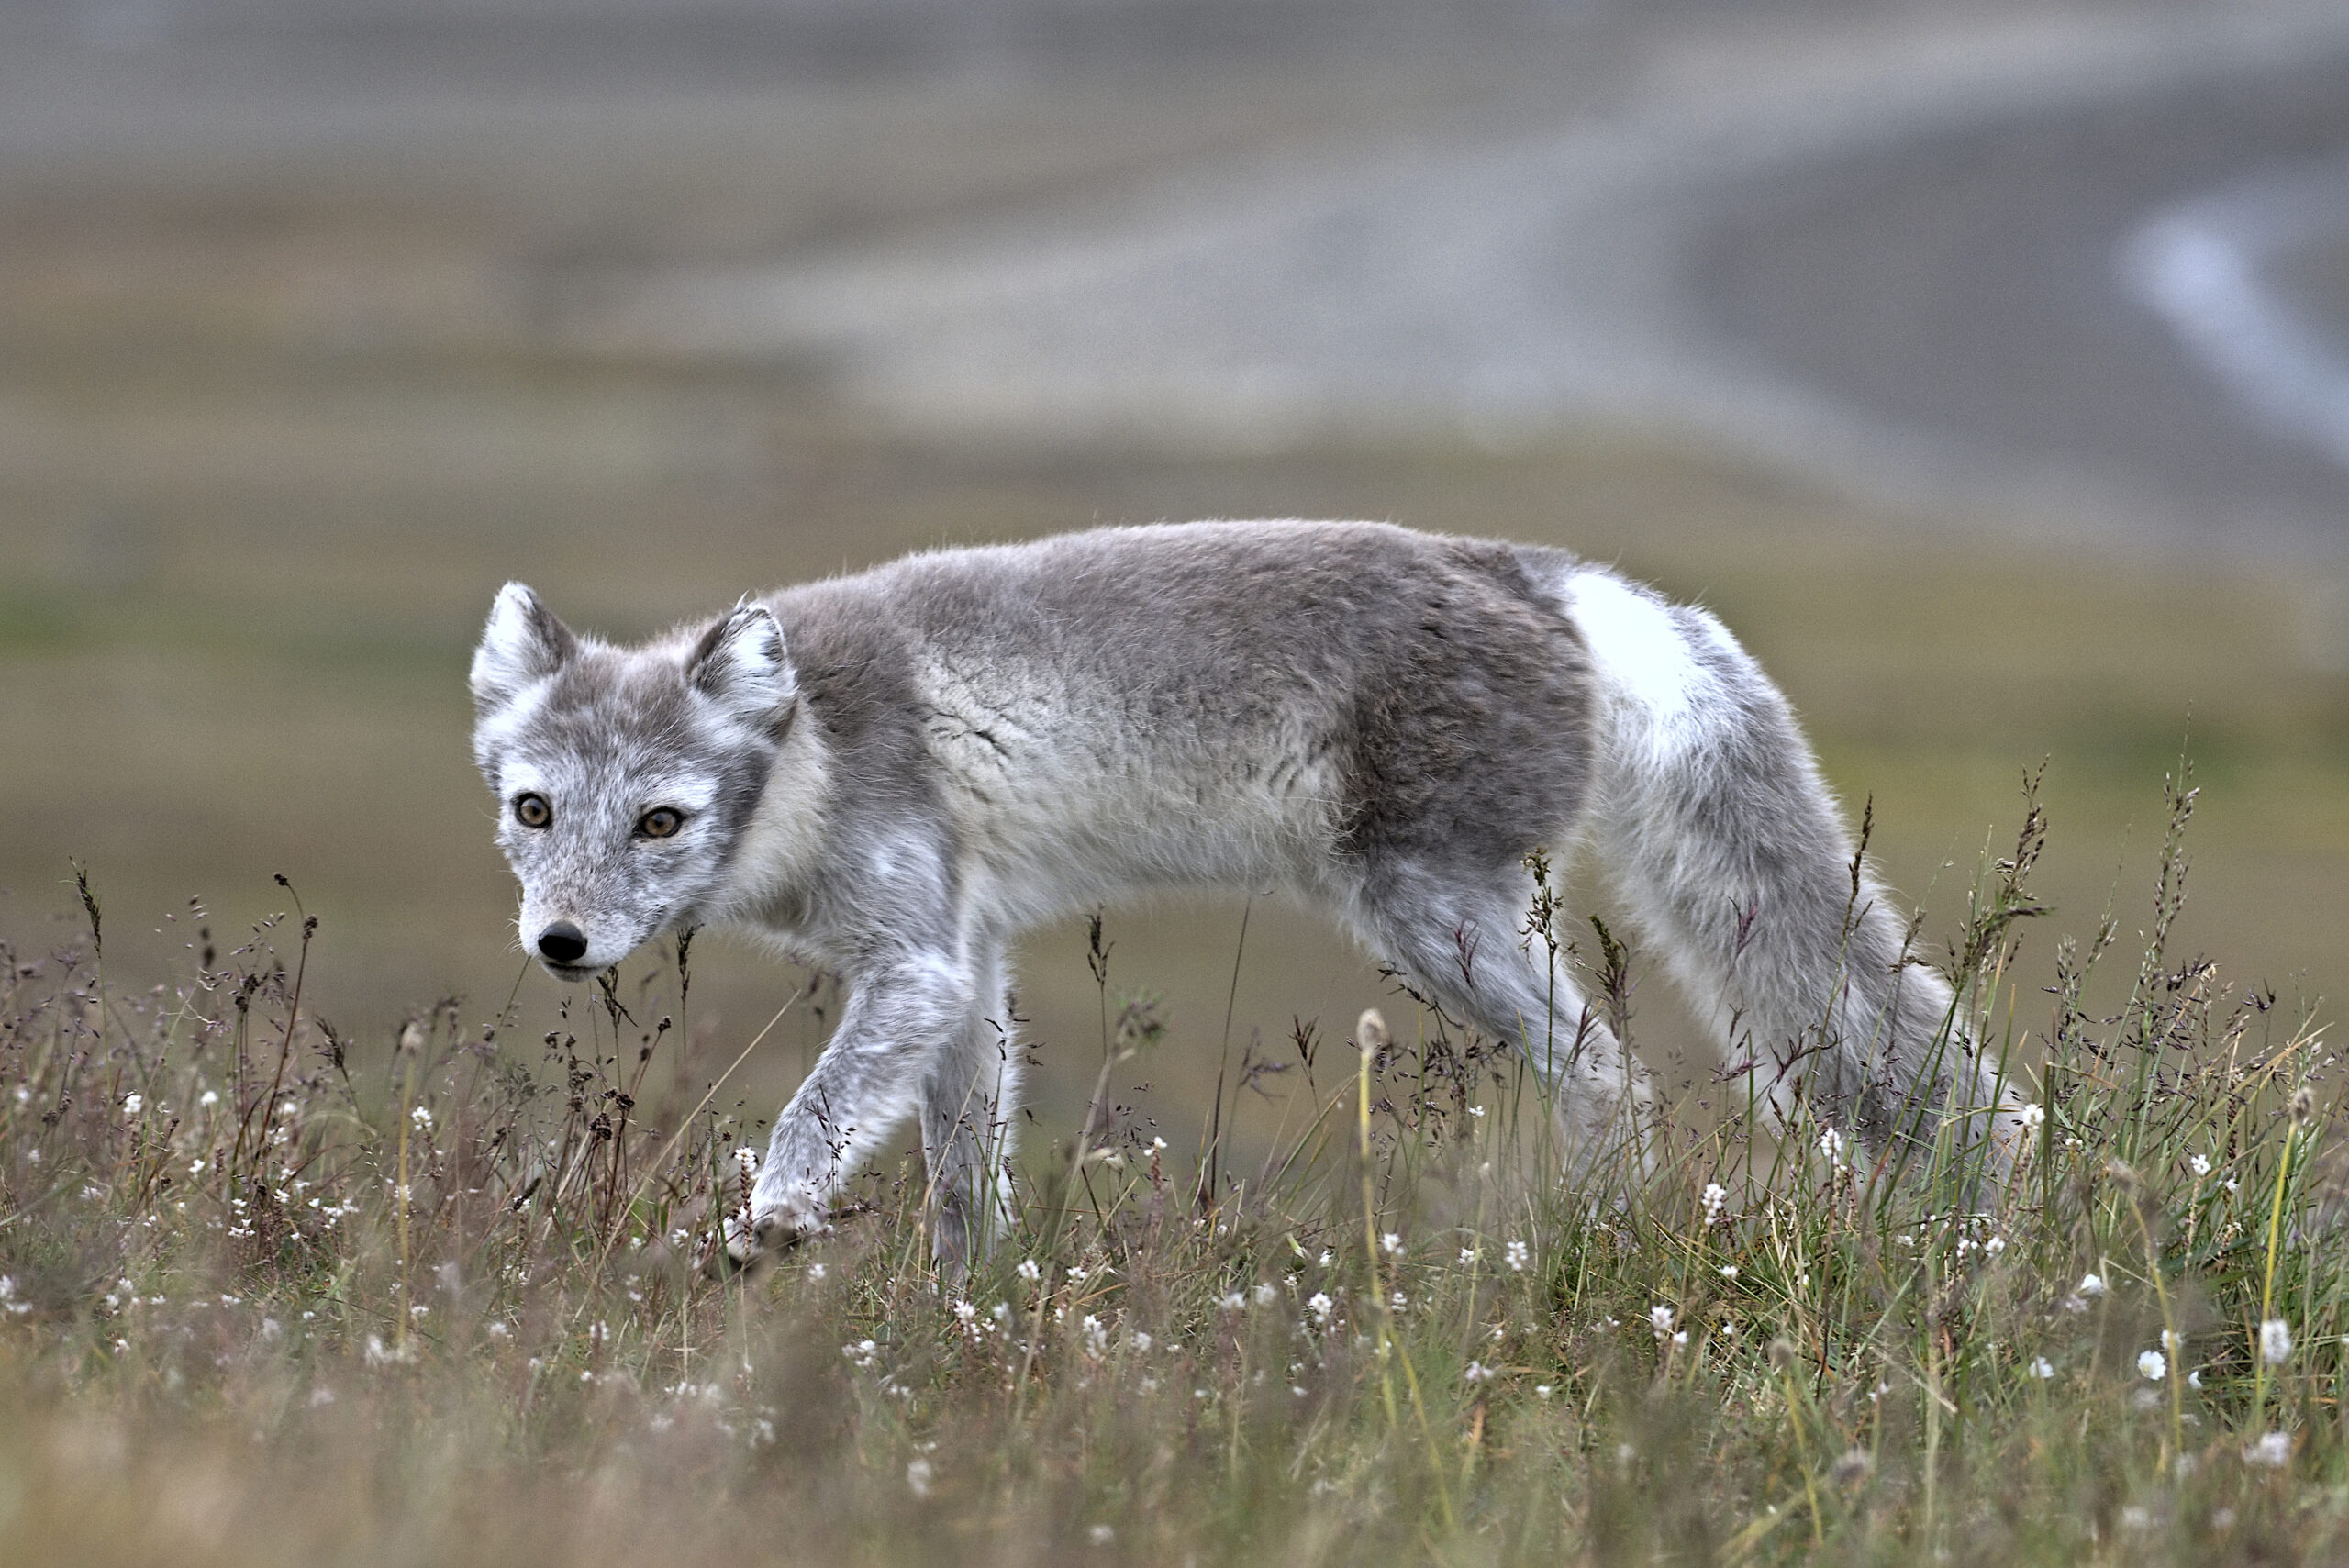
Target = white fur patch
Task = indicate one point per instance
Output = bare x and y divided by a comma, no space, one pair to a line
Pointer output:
1640,656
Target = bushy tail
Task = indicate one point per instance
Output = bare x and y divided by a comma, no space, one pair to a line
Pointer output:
1731,855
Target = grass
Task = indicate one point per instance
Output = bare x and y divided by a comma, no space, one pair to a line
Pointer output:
264,1303
275,434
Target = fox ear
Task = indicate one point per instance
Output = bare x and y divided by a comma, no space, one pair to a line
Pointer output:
522,645
740,664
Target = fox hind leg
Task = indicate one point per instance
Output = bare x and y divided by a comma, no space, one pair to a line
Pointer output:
1459,936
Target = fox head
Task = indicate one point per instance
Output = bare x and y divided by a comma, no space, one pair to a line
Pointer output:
624,777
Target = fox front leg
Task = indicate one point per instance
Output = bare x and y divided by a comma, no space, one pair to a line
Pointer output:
864,1086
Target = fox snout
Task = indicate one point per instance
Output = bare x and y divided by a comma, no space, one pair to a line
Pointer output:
572,949
563,943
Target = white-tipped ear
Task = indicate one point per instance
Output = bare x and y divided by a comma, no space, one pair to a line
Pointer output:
522,645
741,665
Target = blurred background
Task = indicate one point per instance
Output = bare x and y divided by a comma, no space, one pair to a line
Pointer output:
1984,365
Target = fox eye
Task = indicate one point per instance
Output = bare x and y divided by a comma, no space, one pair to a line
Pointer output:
659,822
532,810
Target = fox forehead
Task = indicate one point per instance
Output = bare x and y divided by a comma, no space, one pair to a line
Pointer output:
617,723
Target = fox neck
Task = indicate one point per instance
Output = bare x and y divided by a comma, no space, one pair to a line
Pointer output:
781,851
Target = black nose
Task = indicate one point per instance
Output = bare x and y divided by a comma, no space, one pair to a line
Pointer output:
563,942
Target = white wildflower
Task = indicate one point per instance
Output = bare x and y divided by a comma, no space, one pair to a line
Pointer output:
1831,1144
1716,1197
2275,1341
2032,1118
1467,1256
2153,1365
209,1098
2090,1286
1392,1242
1319,1305
422,1117
1544,1390
1232,1301
1478,1372
1265,1293
1662,1318
2199,1164
918,1476
1517,1255
2042,1368
133,1104
1729,1271
1028,1270
2272,1451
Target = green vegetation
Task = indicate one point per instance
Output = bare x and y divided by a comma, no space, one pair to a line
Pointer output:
265,1304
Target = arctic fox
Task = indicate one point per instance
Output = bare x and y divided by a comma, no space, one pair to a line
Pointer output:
889,775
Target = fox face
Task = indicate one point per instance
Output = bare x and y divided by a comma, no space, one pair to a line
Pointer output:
624,777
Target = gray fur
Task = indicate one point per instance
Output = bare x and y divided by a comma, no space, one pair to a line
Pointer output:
890,775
